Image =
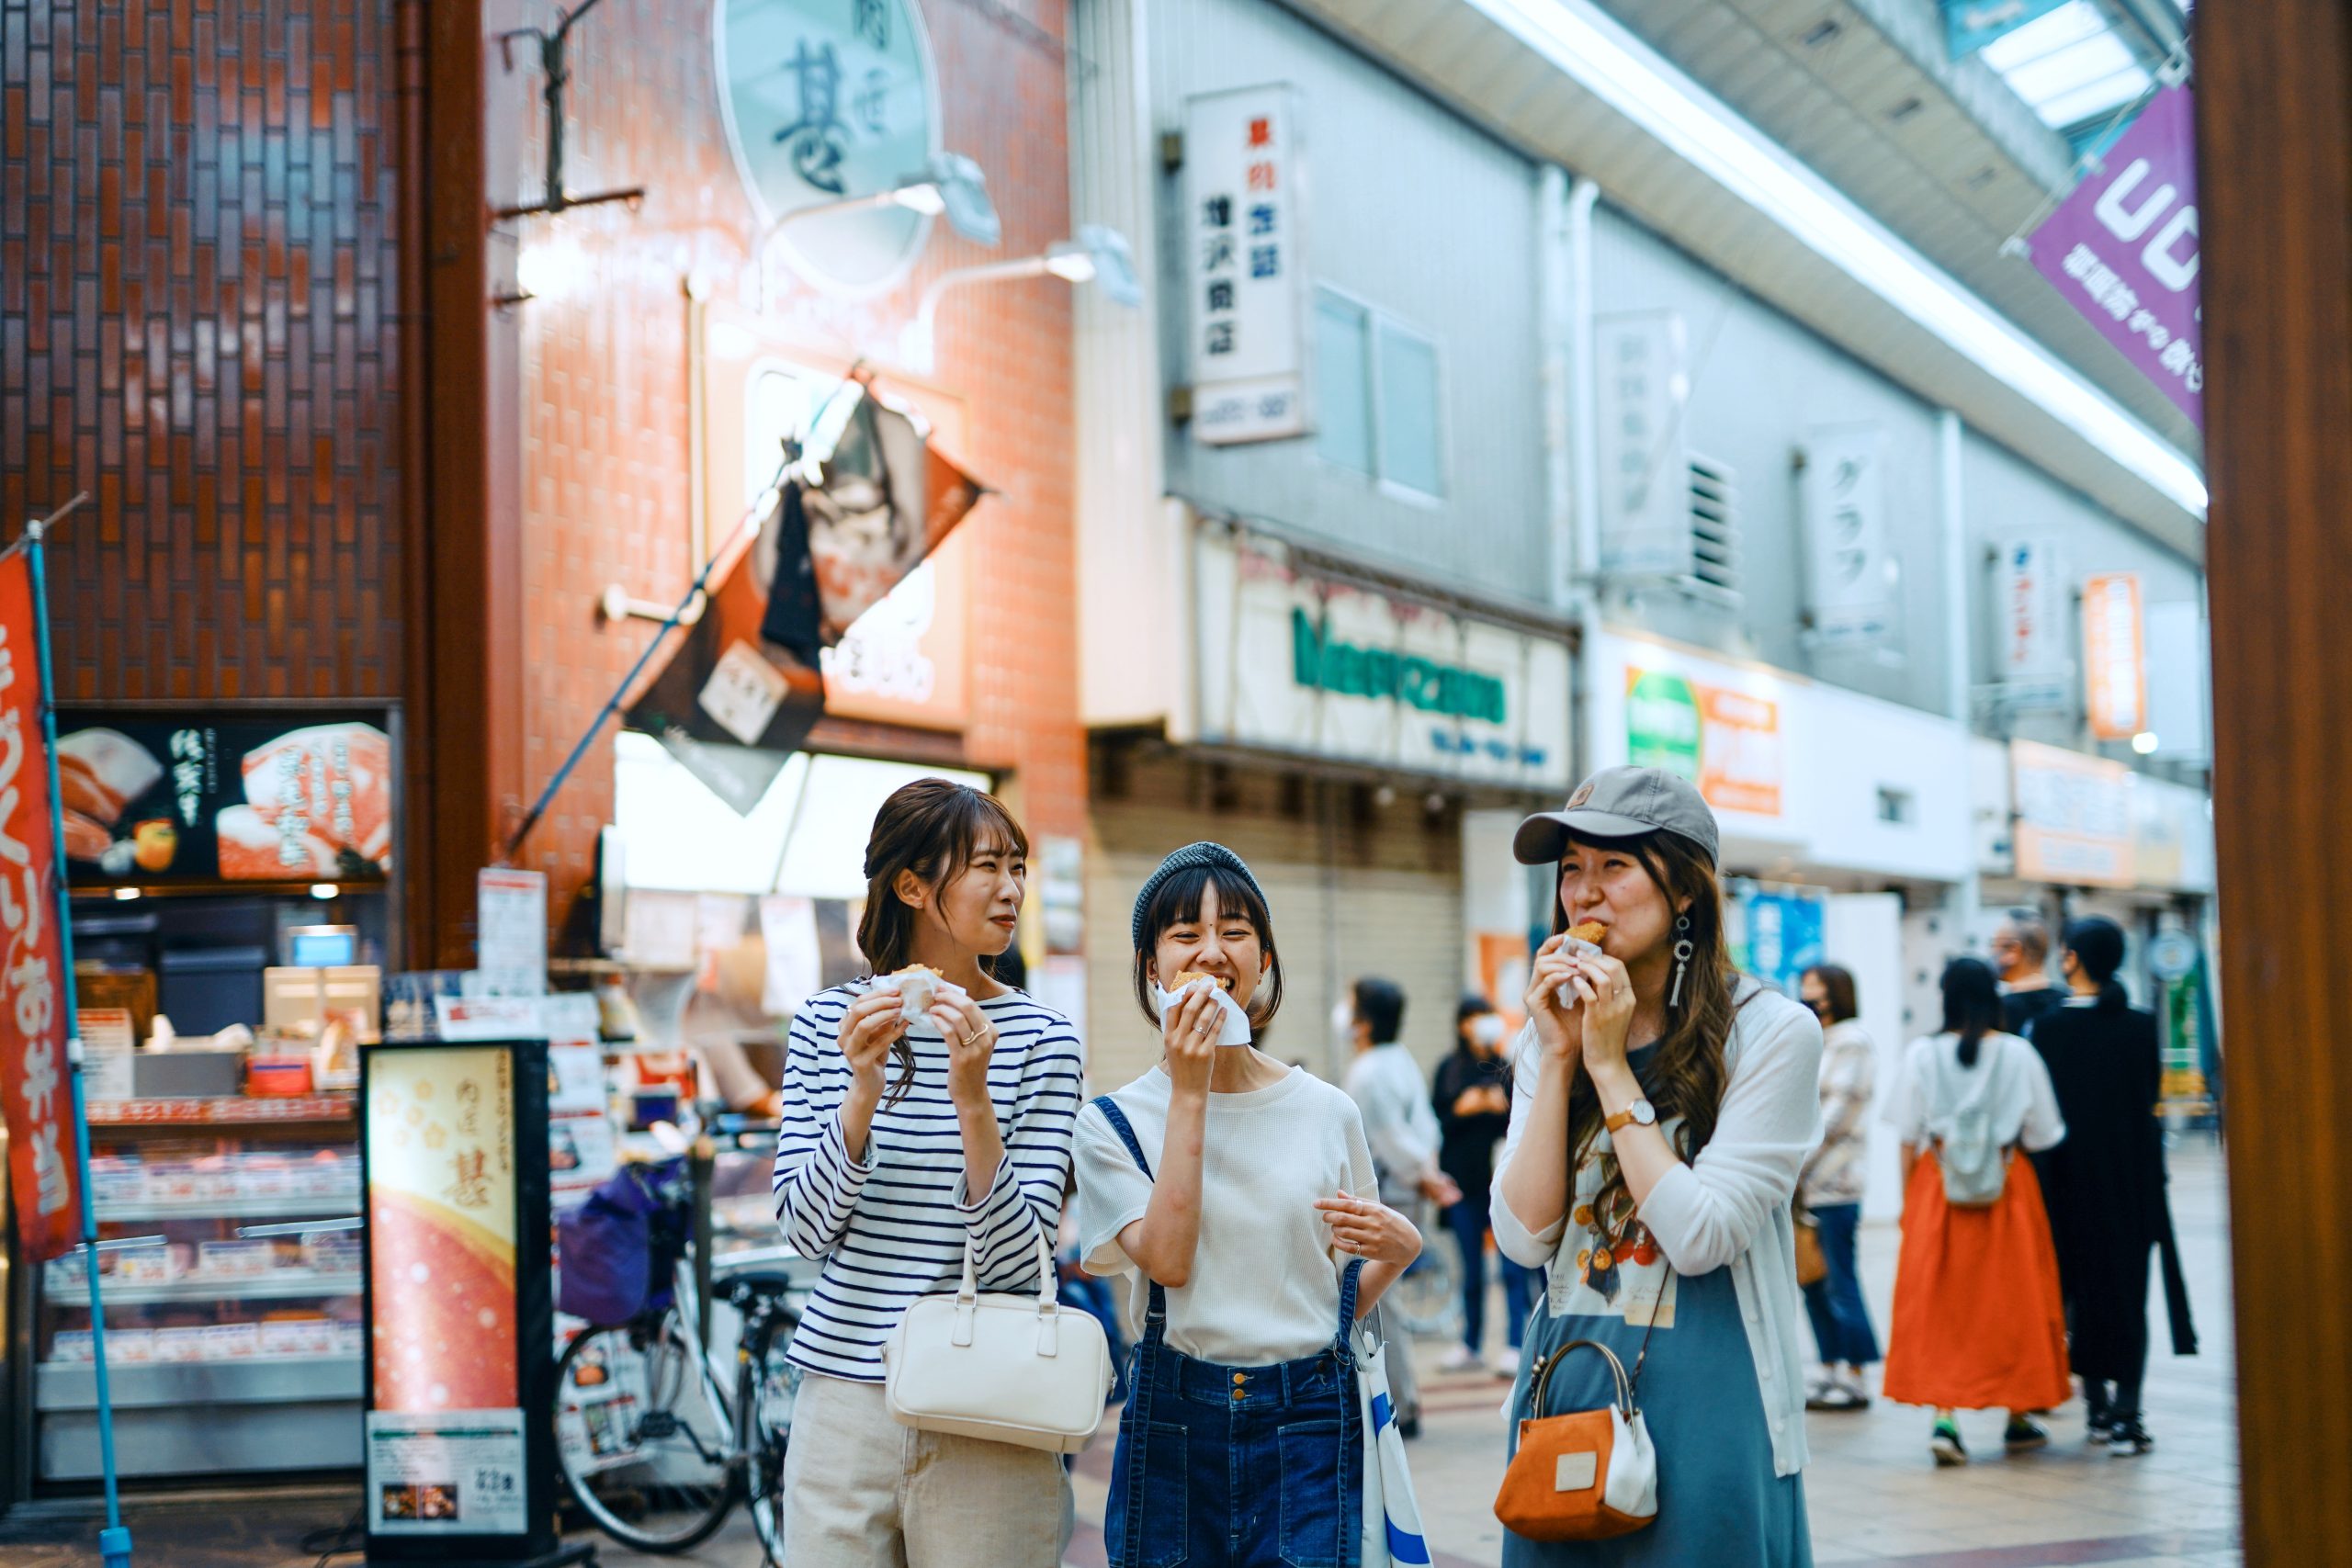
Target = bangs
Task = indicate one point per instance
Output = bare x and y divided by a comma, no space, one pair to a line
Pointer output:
1177,901
972,821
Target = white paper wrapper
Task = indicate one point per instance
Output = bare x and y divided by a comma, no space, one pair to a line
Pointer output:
917,993
1236,1022
1568,998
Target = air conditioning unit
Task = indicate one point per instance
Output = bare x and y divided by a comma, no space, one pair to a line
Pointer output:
1714,531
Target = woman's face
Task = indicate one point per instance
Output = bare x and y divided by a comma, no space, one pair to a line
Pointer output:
980,906
1610,885
1814,994
1221,943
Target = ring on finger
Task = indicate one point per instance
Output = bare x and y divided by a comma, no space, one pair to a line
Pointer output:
973,1038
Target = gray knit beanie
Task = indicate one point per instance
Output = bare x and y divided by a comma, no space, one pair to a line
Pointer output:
1201,854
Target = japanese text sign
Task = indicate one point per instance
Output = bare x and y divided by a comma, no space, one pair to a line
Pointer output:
1246,268
1640,390
1852,576
2114,671
2122,249
34,1086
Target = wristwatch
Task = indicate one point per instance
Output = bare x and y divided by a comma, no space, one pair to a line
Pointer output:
1641,1111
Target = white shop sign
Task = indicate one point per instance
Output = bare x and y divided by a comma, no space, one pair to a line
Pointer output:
1247,266
1641,388
1289,661
1851,574
2035,660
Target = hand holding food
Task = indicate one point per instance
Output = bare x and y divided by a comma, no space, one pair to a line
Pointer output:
869,1027
1188,1032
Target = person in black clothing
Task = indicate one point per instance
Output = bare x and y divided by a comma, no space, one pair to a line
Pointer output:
2108,1209
1472,1096
2021,956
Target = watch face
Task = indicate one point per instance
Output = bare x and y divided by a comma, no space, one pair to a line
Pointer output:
1643,1113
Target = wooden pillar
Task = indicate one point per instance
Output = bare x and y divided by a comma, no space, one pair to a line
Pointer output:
2274,99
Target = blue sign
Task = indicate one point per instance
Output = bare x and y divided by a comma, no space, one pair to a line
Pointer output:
1784,936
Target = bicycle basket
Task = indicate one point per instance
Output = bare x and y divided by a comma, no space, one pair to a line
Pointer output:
617,1252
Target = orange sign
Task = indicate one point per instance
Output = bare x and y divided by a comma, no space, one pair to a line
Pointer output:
904,660
1739,751
2114,671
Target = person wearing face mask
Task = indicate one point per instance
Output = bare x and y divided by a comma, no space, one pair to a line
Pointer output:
1831,1190
1664,1104
1239,1194
1472,1097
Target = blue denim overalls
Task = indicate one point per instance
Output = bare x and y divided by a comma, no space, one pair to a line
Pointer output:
1236,1467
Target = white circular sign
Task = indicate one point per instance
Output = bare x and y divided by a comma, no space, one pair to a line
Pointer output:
825,101
2172,955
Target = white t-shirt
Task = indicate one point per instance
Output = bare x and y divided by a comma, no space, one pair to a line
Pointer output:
1265,1281
2009,1082
1400,1123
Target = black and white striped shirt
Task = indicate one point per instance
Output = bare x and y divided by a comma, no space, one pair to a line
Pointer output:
893,1228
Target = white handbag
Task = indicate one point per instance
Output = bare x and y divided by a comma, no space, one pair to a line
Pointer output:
1008,1369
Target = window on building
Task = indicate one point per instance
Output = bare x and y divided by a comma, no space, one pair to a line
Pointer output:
1342,383
1376,396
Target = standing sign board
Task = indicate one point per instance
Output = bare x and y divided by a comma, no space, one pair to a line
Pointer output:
2029,596
1844,498
1645,466
1247,265
35,1090
459,1451
2122,249
2114,671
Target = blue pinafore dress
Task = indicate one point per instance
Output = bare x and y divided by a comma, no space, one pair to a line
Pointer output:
1236,1467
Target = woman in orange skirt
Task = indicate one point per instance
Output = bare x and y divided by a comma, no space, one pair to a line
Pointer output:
1978,1323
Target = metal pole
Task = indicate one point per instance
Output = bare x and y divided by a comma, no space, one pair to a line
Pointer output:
114,1540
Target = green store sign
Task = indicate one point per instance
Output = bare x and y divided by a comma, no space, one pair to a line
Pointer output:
1326,664
1662,724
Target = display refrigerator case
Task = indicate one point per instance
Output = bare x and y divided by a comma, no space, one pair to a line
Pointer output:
230,1275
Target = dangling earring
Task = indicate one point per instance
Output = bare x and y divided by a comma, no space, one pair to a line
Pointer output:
1681,958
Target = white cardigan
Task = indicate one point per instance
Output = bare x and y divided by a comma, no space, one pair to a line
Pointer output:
1730,1208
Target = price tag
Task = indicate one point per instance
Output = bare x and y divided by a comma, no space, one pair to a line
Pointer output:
744,693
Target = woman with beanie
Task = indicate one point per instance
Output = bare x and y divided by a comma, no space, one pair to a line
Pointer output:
2107,1208
1663,1107
1977,1322
1240,1194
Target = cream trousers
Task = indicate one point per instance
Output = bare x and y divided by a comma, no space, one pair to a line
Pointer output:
861,1490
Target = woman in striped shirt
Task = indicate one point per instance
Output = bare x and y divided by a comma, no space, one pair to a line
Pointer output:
900,1143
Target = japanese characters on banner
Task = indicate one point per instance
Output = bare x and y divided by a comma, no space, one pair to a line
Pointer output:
2122,249
2115,669
2074,816
1725,741
2029,596
1844,497
1247,269
1645,467
35,1090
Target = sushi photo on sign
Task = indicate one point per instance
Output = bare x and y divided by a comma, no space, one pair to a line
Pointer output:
161,799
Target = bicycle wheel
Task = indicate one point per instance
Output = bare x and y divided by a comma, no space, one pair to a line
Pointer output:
766,1389
1426,1299
642,1442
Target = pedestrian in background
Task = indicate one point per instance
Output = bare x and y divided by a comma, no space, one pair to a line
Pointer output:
1977,1320
903,1142
2021,954
1385,1083
1471,1095
1239,1195
2107,1208
1830,1187
1663,1106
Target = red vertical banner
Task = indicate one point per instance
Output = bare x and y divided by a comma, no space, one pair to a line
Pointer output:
34,1090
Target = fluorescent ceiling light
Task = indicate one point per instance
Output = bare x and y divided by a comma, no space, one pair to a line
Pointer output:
1609,63
2070,23
2065,70
2094,99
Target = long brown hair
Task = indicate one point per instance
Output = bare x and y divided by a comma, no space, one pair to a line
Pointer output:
1687,1075
931,826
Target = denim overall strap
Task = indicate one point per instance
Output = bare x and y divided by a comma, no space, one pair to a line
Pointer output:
1351,1433
1348,1310
1135,1420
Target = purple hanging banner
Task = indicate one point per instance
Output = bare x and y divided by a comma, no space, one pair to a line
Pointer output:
2122,249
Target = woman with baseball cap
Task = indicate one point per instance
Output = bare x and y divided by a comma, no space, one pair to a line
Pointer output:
1662,1104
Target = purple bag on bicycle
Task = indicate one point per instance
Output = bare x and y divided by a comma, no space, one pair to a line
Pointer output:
613,1249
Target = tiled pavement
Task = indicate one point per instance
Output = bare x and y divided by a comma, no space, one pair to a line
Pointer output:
1875,1497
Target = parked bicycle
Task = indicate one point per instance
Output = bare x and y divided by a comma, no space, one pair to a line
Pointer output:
657,1436
1425,1301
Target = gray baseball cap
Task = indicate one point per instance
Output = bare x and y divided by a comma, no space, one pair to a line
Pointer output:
1621,803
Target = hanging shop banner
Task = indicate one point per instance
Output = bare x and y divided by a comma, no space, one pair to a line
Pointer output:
2122,249
1781,935
1727,742
1645,467
2034,660
34,1090
1843,494
827,101
2074,816
1292,660
163,798
2115,667
1248,272
1970,25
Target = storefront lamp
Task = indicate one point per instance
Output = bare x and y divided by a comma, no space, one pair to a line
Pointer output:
2146,742
1097,255
323,891
951,186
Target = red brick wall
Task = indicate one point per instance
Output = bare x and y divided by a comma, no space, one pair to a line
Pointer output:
604,479
199,235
